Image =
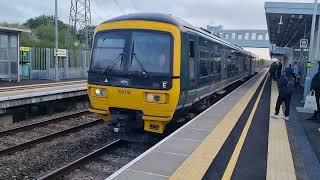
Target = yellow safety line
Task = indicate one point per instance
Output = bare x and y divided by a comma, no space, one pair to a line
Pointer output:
235,155
196,165
279,163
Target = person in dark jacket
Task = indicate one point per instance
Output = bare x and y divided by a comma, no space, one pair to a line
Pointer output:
279,70
315,86
285,92
273,71
289,72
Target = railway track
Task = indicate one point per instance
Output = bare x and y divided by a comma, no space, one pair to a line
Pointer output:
42,123
79,162
43,138
100,163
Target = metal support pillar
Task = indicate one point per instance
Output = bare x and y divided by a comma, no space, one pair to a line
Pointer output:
311,58
9,61
18,55
66,65
56,40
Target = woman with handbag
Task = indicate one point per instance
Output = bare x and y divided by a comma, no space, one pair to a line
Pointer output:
315,86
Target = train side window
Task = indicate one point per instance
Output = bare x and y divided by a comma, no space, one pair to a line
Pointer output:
191,60
191,49
191,69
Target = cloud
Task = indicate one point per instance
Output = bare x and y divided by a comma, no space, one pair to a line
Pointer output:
239,14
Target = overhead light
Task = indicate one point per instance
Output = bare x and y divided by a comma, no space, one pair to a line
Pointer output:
280,22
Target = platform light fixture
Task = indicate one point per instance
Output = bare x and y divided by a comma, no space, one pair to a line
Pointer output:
280,22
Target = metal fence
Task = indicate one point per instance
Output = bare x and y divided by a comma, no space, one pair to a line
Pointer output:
39,63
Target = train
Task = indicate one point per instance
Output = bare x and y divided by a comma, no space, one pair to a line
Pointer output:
147,69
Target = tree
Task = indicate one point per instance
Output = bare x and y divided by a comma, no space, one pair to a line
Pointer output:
43,28
43,32
34,23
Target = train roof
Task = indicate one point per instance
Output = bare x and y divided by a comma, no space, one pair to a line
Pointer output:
170,19
159,17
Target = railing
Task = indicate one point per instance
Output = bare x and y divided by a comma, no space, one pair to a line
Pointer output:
39,63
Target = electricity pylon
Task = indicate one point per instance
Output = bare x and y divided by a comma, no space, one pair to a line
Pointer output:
79,24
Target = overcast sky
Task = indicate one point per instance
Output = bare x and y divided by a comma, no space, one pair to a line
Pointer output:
232,14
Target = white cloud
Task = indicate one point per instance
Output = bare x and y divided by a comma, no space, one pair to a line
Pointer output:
229,13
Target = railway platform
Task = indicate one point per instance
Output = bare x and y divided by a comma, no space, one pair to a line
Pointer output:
31,92
236,139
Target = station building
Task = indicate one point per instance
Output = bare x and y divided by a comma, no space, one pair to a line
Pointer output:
289,24
9,53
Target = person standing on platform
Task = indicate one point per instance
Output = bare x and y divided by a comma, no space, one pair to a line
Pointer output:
273,71
285,92
295,73
315,86
289,72
279,70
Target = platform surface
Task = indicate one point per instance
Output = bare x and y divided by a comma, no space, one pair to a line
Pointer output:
25,82
35,93
234,139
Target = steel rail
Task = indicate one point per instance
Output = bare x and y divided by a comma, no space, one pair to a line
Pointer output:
33,142
83,160
42,123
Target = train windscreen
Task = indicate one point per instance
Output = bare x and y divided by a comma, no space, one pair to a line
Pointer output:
134,52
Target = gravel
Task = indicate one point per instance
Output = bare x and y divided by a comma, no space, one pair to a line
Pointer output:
46,157
4,127
110,162
24,136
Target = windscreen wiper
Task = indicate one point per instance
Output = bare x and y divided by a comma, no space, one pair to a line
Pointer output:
134,56
117,59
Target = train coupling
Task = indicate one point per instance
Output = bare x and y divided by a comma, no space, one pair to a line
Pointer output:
124,120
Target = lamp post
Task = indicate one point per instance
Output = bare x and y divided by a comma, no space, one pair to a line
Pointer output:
56,41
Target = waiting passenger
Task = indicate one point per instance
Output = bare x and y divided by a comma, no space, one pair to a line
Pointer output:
289,72
273,71
285,92
295,73
279,70
315,85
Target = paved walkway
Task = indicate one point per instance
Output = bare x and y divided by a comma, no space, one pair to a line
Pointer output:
235,139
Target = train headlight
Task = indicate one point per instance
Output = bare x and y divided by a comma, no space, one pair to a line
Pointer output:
100,92
156,98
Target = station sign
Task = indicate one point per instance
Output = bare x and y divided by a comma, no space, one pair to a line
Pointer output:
304,43
60,52
25,49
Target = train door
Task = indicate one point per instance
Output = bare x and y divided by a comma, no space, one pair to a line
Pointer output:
192,77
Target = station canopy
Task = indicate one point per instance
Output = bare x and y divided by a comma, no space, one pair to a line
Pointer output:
289,22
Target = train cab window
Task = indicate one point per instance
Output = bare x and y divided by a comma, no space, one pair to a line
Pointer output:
191,49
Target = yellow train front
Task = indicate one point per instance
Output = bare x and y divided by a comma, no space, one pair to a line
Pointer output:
133,81
148,68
